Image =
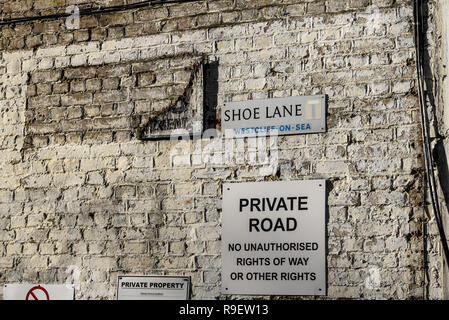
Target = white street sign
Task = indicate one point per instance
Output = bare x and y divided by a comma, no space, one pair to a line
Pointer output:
153,288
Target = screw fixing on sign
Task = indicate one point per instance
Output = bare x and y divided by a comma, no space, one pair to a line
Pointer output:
34,294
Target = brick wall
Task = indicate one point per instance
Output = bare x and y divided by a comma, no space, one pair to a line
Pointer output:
435,82
77,188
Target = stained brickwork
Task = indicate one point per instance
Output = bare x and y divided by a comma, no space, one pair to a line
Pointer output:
109,204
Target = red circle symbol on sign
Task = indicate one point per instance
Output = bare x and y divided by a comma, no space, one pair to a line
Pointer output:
34,290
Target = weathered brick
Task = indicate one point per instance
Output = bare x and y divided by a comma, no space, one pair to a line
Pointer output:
76,99
46,76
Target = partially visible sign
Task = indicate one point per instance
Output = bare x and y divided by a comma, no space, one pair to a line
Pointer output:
273,238
281,116
38,292
153,288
